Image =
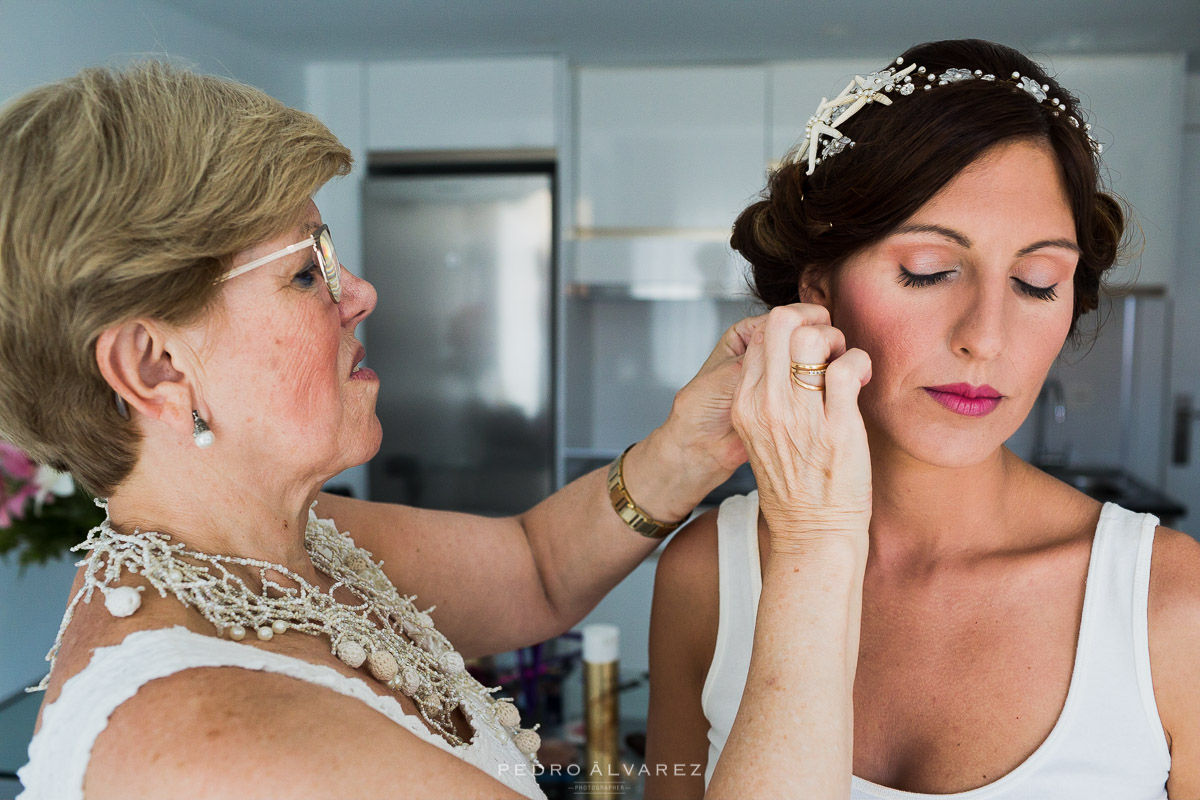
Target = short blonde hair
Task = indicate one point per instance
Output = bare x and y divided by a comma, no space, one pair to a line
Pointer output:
124,194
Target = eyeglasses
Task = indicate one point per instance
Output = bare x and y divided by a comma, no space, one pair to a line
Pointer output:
322,244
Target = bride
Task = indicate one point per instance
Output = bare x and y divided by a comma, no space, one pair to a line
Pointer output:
1017,639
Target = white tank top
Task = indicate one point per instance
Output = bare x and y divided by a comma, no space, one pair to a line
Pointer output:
59,753
1108,742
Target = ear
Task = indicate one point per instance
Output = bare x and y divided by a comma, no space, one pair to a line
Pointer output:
817,289
135,359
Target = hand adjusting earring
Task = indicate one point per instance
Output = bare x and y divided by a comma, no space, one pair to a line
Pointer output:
201,435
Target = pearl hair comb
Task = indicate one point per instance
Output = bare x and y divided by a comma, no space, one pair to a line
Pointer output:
898,80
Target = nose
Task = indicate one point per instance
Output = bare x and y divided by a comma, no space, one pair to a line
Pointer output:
979,331
358,298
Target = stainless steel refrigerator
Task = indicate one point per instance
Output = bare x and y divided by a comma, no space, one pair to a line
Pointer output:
462,337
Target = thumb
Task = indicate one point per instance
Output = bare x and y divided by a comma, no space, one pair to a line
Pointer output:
843,381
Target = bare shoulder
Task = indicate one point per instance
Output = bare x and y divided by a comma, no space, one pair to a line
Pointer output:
229,732
694,547
687,566
93,627
1174,624
683,634
1174,602
687,594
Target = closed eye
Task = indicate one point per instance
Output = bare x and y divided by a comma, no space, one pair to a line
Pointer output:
918,279
1039,292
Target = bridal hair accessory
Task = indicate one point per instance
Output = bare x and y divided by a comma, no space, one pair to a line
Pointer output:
809,369
876,88
398,644
201,435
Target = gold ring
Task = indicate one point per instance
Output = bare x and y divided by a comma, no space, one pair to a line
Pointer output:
809,369
806,385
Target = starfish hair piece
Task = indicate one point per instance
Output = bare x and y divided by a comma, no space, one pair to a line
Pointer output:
879,87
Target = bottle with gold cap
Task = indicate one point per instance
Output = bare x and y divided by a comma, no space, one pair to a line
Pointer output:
602,762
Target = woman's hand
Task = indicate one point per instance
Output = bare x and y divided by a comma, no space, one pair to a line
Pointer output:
696,449
699,421
808,449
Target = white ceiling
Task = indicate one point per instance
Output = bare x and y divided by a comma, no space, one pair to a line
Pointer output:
630,31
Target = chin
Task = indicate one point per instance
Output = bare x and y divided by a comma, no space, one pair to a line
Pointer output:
372,441
947,446
364,446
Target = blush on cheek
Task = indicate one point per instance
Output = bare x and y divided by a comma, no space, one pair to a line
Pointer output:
878,325
302,371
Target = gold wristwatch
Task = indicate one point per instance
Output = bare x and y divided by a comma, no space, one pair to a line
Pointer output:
628,510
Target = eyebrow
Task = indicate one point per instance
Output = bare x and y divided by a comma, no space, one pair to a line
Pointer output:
963,241
1066,244
311,227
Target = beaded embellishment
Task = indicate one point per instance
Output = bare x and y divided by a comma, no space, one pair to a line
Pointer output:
385,632
878,87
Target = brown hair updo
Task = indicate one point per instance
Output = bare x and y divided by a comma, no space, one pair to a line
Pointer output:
807,225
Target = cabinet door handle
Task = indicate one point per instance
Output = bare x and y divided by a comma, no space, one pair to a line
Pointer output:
1181,436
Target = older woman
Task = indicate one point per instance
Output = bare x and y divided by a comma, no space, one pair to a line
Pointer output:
1018,639
176,331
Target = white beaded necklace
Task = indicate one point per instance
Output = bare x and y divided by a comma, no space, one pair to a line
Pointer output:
397,642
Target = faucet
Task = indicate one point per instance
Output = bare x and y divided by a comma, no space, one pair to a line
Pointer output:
1050,399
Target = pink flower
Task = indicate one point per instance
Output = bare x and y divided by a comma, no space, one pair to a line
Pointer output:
12,507
14,463
17,472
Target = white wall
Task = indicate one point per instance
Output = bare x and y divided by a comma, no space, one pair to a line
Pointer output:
51,39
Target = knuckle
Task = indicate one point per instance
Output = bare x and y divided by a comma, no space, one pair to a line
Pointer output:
781,317
808,337
861,355
816,313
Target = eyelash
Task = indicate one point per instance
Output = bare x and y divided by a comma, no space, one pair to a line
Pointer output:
1038,292
308,272
912,279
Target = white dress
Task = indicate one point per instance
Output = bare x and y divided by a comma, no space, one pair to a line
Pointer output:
59,753
1108,743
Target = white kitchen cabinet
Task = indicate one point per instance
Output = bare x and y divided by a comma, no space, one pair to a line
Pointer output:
669,147
659,265
1136,106
476,104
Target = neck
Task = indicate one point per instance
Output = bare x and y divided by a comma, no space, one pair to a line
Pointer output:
924,514
220,513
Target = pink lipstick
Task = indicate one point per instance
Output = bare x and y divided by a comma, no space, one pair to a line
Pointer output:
965,399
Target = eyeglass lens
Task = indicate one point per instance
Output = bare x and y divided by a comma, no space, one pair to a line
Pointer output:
331,268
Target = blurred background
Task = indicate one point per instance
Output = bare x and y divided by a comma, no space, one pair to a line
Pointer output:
543,195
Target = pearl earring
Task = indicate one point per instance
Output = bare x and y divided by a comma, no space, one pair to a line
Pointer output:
201,435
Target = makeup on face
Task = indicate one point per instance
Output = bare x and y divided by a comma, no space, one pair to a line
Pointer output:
965,399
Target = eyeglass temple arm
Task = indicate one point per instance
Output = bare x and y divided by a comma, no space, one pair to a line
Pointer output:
309,242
